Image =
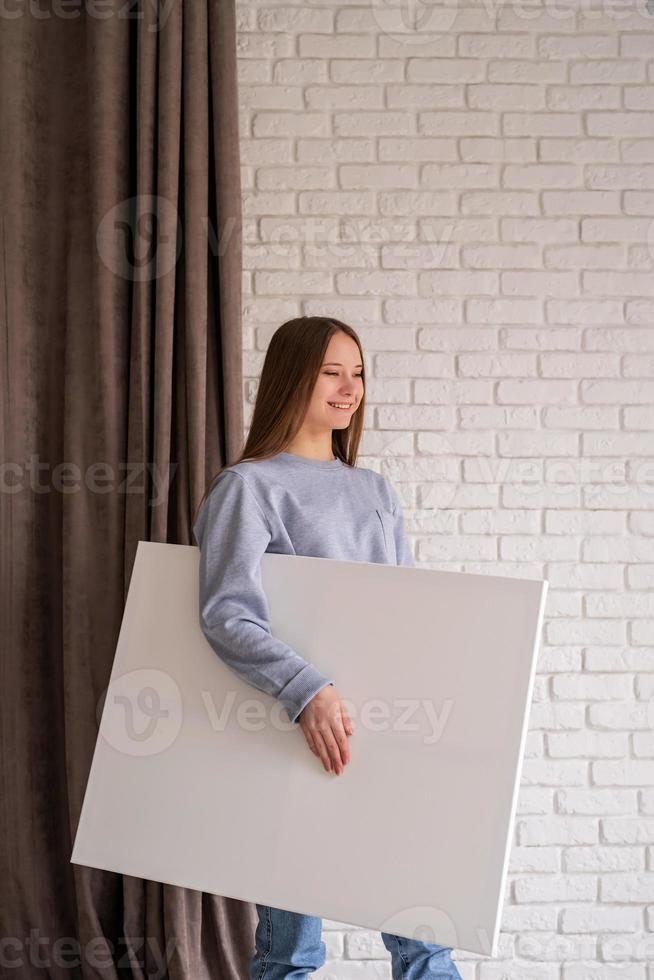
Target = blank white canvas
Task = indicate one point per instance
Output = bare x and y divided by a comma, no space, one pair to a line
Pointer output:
200,780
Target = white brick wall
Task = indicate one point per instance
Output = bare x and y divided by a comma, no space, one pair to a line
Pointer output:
474,192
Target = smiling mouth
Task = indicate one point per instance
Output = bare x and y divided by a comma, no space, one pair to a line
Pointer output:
341,406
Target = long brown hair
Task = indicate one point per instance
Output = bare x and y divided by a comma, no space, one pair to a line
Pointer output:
290,370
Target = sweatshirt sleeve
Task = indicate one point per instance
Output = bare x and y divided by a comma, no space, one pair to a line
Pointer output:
232,533
402,545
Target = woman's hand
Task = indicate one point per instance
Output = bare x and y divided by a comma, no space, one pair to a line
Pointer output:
326,726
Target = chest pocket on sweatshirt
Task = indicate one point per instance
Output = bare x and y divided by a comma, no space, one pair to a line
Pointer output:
387,523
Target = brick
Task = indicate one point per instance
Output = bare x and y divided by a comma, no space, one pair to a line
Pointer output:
541,230
484,46
284,124
450,71
500,256
627,888
521,18
299,71
639,203
296,19
556,888
502,365
420,365
336,46
579,150
582,311
330,96
540,175
583,365
361,123
597,802
519,203
376,283
485,148
354,176
567,98
562,48
294,178
327,203
587,745
415,149
334,150
557,829
543,124
618,283
522,444
432,45
506,97
619,71
615,229
271,96
425,96
593,919
416,202
458,283
538,283
462,176
621,177
581,203
467,123
619,124
526,70
598,859
503,310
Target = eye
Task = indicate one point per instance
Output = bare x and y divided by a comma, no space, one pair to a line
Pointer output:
336,372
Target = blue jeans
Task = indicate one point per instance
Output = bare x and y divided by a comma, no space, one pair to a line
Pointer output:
289,945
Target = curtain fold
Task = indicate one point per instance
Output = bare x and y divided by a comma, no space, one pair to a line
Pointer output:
121,395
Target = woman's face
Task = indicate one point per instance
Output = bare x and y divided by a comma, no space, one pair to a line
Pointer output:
339,383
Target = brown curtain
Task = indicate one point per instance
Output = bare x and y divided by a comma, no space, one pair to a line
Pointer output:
121,395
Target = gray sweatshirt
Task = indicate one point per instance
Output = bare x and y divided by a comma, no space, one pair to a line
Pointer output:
287,505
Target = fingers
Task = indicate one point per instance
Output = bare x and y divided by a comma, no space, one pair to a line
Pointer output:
326,726
336,741
315,743
323,751
310,741
323,743
343,746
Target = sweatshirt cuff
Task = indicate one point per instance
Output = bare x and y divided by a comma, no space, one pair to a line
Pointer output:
301,689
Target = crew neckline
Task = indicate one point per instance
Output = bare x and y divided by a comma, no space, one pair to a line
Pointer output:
324,464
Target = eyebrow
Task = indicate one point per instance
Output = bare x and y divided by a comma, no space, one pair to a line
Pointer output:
338,364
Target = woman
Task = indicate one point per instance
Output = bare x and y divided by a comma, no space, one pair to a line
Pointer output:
295,489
